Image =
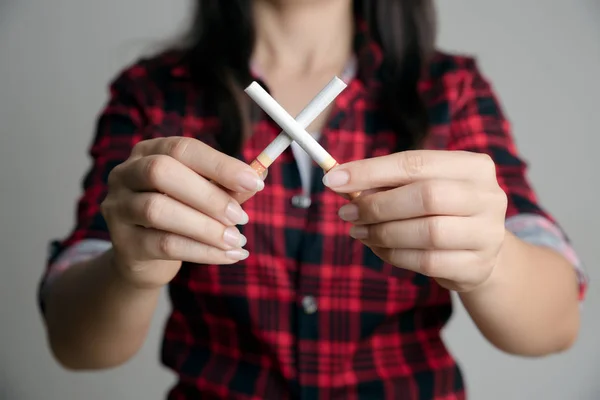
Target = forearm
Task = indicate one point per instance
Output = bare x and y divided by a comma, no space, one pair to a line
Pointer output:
94,318
529,306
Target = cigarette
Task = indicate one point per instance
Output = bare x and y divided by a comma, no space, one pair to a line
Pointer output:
293,128
317,105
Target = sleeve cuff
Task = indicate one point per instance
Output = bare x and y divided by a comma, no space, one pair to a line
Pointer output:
81,251
540,231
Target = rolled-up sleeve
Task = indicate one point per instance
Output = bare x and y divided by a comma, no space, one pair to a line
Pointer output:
118,129
478,124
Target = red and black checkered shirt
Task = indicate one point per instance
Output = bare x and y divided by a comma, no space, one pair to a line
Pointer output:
312,313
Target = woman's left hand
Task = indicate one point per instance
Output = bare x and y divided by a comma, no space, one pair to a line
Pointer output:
438,213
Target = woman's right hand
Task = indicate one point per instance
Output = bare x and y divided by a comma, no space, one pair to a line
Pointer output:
174,200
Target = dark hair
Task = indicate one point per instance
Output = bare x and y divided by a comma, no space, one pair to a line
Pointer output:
221,41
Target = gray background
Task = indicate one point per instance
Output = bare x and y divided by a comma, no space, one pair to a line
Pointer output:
56,58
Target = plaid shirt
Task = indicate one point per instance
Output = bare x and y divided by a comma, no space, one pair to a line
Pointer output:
312,313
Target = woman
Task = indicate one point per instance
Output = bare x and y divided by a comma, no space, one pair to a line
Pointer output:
327,299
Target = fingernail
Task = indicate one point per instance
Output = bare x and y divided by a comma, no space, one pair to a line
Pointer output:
359,232
251,181
336,178
348,212
233,237
238,254
264,174
235,214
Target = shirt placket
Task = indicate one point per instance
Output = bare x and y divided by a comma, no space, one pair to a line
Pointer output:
311,317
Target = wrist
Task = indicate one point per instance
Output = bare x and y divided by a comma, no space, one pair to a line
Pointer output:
497,276
118,274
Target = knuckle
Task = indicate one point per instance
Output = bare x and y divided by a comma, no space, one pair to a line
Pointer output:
373,233
139,148
167,245
152,209
214,199
430,199
463,286
220,167
113,179
393,256
110,208
486,164
412,163
106,208
208,255
428,264
374,208
155,169
380,234
435,232
114,176
204,233
178,147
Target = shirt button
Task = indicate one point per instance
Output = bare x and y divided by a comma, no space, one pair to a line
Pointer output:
309,303
301,201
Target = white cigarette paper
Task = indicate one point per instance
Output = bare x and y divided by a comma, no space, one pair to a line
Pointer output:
291,127
317,105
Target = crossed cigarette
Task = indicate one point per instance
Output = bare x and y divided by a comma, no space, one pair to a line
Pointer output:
295,129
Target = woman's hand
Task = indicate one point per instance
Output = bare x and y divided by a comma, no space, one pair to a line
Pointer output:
172,201
439,213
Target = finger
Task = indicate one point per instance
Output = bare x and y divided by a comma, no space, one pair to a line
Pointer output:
153,210
228,171
161,245
409,166
418,199
437,233
242,197
166,175
455,265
